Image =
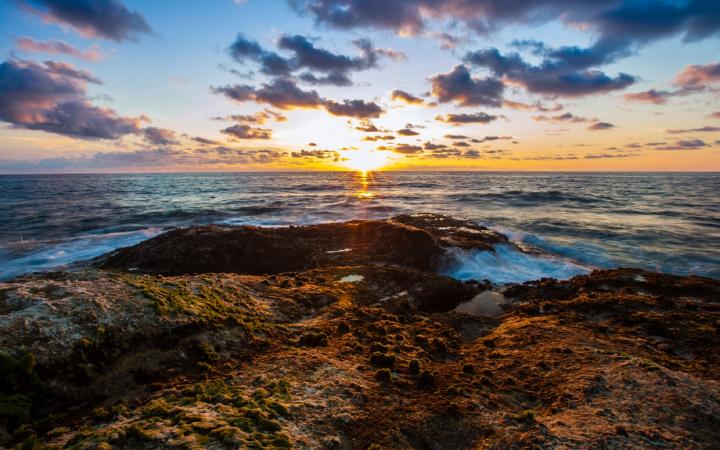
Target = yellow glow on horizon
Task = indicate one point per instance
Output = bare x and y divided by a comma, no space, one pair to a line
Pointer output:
365,160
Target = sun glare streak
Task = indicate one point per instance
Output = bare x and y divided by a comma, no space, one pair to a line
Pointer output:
365,160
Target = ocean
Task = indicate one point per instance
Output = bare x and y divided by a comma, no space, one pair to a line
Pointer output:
668,222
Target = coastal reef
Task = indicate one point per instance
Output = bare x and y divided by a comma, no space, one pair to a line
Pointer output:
344,335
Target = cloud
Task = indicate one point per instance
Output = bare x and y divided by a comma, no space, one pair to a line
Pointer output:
148,158
402,96
567,117
107,19
52,97
609,155
260,117
492,138
306,56
537,106
431,146
367,126
242,131
694,130
480,117
456,136
565,72
333,79
620,22
280,93
57,47
715,115
353,108
690,144
699,75
317,154
459,86
159,136
388,137
204,141
285,94
404,149
447,41
650,96
600,126
407,132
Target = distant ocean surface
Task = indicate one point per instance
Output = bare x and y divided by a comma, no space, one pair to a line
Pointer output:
580,221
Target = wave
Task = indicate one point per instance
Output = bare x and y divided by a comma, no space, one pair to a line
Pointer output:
60,254
525,197
507,265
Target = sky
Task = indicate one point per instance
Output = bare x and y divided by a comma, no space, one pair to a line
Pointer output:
286,85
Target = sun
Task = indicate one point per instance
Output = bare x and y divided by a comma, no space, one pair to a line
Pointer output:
365,160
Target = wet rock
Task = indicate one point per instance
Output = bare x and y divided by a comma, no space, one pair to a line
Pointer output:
255,250
411,241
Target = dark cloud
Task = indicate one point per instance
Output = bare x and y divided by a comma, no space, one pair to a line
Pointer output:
159,136
333,79
600,126
108,19
694,130
431,146
56,47
690,144
280,93
407,132
480,117
204,141
406,149
459,86
242,131
306,56
285,94
402,96
353,108
456,136
461,144
565,72
53,97
624,24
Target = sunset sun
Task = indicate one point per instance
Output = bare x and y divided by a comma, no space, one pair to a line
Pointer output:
365,160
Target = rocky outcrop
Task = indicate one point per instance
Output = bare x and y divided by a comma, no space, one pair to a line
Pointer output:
362,355
411,241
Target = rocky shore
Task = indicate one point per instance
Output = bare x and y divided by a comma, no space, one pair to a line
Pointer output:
344,336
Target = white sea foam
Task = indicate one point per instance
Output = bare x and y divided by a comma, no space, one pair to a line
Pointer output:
507,265
53,255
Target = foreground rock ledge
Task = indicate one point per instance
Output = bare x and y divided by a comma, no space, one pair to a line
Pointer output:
365,354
